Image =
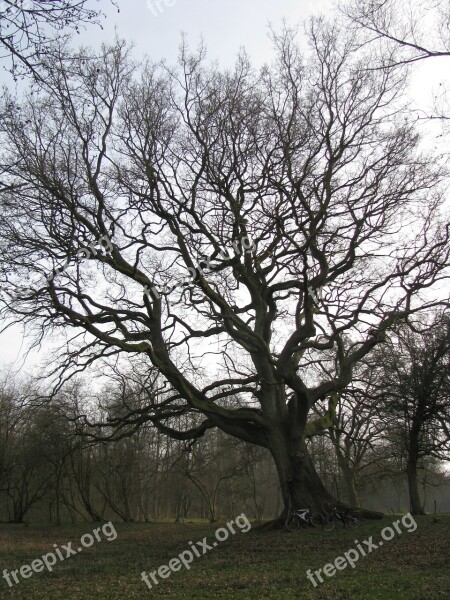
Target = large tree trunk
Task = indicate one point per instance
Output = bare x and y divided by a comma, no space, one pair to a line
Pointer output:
413,488
301,486
306,488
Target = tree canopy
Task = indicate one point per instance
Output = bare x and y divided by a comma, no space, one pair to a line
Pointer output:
258,223
29,28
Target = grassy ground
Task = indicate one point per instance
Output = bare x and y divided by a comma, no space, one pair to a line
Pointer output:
411,566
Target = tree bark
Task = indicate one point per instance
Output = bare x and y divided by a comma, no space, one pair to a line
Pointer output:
306,488
349,481
349,478
301,486
413,488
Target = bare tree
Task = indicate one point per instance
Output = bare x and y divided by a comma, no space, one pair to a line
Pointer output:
226,229
358,431
405,33
11,416
416,396
416,29
217,451
29,28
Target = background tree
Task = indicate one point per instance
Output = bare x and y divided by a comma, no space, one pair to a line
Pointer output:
351,448
416,396
53,440
357,433
28,478
220,451
266,187
12,402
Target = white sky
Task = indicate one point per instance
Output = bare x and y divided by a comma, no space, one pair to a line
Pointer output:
155,27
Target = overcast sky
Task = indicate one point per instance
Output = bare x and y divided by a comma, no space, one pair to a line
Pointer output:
155,27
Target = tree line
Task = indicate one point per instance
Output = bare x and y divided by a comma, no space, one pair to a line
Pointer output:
391,426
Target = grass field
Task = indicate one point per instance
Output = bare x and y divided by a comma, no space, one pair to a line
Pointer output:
253,565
